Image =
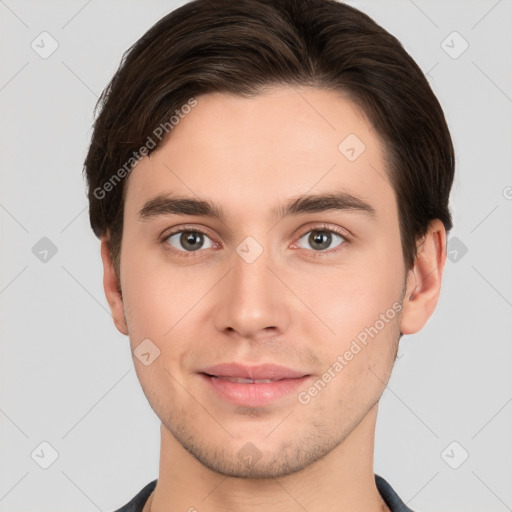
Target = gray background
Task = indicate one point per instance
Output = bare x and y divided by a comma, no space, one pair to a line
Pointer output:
67,377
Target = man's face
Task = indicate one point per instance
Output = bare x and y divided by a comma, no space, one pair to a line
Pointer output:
256,287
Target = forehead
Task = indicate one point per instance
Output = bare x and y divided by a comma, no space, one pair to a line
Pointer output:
242,152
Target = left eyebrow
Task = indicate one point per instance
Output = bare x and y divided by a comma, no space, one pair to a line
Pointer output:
342,201
170,204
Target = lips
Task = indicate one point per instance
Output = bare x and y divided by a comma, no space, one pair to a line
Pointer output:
243,381
236,372
252,386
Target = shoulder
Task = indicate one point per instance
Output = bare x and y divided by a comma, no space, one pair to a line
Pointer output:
389,495
138,502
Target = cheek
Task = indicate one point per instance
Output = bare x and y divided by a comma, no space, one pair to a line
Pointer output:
163,304
361,359
348,302
154,299
362,308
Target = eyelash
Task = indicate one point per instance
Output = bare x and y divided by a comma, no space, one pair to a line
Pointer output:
322,228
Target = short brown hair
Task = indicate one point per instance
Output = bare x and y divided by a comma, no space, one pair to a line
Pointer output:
246,46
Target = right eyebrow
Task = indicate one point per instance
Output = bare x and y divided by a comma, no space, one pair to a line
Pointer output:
178,205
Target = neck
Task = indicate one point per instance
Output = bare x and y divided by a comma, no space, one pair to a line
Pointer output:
341,481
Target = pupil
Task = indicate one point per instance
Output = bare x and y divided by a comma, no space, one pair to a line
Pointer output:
191,240
320,238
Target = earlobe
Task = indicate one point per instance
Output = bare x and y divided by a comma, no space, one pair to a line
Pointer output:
424,280
111,286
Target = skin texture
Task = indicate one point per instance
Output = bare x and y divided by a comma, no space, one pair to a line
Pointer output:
288,307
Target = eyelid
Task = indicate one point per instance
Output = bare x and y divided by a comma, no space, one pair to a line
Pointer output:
323,226
185,227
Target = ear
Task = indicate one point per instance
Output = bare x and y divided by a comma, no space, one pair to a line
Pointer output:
424,279
111,286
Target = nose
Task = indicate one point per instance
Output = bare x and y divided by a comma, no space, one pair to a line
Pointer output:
252,300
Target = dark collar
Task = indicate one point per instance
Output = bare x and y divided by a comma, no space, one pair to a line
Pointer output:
388,494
